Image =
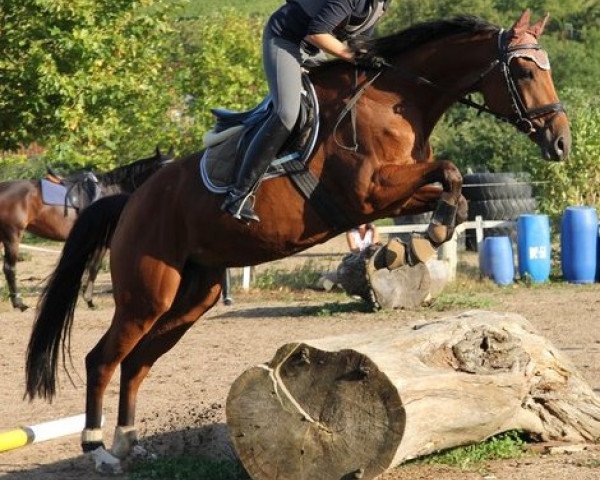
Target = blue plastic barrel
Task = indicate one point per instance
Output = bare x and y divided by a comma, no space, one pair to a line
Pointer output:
498,259
533,247
578,244
598,259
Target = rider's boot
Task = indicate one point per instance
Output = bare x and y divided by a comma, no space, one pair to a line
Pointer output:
261,152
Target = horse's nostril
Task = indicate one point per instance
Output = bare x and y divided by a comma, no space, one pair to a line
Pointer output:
559,145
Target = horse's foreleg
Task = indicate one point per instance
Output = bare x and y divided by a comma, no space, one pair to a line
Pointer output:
451,207
199,291
409,189
93,268
11,253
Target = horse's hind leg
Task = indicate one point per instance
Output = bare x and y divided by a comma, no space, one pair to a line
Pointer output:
199,290
11,253
131,321
92,274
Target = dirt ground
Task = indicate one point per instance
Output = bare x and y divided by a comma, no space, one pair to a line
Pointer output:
181,403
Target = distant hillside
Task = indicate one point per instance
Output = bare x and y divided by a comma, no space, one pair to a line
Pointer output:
203,7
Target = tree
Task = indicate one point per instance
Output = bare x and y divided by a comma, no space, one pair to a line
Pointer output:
86,78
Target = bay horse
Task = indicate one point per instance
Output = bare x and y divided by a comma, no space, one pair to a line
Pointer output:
172,243
22,209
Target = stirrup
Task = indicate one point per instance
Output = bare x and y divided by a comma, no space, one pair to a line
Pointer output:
241,207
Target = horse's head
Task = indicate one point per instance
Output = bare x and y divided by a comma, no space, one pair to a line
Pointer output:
522,90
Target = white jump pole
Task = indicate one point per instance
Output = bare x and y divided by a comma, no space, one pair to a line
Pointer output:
19,437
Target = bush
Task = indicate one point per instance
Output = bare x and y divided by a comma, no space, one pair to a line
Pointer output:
574,182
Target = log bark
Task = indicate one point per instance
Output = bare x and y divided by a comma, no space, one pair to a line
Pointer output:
353,406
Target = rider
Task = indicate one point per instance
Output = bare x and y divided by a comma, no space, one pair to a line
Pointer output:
297,28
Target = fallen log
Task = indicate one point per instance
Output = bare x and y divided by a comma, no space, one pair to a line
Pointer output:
354,406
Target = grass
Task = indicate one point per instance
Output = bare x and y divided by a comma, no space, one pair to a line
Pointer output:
503,446
188,468
302,277
453,301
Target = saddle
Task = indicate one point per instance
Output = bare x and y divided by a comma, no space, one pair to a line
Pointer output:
76,191
227,142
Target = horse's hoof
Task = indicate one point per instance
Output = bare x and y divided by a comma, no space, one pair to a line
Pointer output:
395,254
438,233
22,307
91,305
105,462
422,250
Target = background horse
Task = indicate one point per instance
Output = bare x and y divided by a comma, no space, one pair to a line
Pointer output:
22,209
172,241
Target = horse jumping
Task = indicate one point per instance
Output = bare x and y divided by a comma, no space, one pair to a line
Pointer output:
167,263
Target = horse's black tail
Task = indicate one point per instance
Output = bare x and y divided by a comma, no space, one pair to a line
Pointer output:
51,332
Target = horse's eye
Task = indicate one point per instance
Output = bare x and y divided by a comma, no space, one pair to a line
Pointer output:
525,74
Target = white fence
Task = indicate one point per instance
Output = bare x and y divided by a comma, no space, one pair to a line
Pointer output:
448,251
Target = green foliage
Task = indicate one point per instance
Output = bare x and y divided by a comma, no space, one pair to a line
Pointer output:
574,182
502,446
188,468
219,66
13,167
201,8
85,78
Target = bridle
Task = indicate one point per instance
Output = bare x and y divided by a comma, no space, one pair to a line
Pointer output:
522,117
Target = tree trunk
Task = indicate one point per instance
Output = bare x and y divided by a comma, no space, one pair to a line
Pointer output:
355,405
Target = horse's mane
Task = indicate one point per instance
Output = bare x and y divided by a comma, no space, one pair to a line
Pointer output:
425,32
125,176
422,33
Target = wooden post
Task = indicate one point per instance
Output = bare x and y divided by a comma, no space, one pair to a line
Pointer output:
355,405
479,231
448,252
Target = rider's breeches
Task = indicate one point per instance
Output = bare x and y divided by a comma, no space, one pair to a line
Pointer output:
282,60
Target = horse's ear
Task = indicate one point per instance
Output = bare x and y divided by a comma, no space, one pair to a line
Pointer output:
522,24
537,29
157,151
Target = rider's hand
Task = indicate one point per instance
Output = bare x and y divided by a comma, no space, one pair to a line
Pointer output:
363,57
370,62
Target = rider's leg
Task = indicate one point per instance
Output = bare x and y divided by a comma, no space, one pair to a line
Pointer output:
282,62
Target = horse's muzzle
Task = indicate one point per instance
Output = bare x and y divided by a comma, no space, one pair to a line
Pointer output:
554,139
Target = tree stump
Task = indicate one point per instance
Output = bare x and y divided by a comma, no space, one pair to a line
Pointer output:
364,274
355,405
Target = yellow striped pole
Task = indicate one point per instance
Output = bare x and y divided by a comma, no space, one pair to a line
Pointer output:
19,437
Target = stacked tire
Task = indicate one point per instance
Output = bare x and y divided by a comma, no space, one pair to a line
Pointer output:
497,196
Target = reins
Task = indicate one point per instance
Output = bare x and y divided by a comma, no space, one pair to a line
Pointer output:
522,118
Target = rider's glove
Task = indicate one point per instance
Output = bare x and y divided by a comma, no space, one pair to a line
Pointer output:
363,56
